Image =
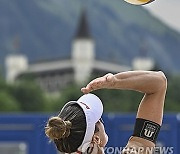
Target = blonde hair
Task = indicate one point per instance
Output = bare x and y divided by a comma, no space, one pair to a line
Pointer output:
57,128
68,128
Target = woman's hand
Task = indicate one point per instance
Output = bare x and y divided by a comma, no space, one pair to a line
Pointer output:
106,81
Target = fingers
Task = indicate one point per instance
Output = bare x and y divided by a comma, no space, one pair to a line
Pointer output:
99,83
93,85
86,90
96,140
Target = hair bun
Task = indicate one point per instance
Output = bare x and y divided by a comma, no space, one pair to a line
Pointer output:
57,128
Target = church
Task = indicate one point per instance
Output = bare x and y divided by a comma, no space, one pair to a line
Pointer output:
54,75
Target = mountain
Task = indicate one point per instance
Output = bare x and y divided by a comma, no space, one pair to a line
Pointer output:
44,29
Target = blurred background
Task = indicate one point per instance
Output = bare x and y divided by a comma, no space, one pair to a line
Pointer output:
49,49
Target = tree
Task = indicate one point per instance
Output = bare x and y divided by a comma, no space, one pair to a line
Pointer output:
29,96
26,95
119,100
71,93
114,100
173,97
8,102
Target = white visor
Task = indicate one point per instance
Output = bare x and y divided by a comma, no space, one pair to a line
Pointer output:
93,109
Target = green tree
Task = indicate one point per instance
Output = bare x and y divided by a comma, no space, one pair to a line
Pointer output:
70,93
122,100
8,102
29,96
26,95
114,100
172,102
3,85
119,100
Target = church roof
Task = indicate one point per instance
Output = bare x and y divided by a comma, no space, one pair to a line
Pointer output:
83,29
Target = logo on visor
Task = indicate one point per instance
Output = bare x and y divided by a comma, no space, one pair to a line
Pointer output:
87,107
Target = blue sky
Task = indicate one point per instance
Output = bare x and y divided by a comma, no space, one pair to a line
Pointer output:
168,11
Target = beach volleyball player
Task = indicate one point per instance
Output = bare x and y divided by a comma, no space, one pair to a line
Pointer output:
78,127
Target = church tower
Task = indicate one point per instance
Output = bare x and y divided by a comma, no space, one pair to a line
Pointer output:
83,51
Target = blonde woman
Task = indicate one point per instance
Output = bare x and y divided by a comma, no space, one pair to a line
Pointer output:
78,128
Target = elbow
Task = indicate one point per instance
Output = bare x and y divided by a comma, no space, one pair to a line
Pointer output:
162,80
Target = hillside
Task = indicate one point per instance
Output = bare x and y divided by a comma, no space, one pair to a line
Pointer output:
45,30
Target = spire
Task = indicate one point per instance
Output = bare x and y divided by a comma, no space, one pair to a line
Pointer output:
83,29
